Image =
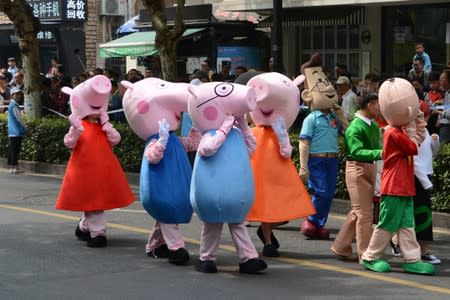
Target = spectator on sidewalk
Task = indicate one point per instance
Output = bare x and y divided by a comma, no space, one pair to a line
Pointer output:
240,70
16,130
420,53
444,118
4,93
12,66
347,96
418,72
52,69
18,81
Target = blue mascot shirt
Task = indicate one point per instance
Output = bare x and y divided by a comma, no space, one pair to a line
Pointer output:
222,187
165,185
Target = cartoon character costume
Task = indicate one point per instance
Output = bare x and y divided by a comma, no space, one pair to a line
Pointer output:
399,105
280,193
222,187
94,180
153,109
318,145
362,144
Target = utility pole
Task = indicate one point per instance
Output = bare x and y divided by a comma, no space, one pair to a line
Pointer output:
277,39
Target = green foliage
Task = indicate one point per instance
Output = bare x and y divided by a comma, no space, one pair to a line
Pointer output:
45,142
440,198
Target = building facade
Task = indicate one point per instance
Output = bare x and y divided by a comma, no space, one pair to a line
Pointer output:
367,36
61,36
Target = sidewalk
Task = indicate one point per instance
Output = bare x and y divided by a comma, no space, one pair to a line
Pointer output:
339,206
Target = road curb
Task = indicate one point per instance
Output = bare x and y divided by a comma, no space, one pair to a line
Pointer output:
339,206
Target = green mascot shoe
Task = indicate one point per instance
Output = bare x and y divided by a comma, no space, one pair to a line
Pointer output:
377,265
419,267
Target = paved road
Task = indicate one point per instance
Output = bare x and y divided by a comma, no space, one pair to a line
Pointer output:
41,259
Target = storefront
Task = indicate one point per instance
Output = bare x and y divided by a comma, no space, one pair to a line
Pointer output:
205,38
61,36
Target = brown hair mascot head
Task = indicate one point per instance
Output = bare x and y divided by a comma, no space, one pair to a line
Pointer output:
319,92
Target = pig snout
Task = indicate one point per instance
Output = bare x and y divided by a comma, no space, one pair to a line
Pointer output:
101,84
260,89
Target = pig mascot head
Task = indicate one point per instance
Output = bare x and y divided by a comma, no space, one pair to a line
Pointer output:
210,103
90,97
276,96
152,99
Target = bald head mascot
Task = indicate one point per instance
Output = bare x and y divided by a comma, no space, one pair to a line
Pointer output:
399,105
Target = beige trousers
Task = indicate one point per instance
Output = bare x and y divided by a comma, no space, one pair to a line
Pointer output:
360,181
380,239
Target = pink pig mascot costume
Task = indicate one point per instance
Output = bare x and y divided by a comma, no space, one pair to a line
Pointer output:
399,105
94,180
222,187
280,193
153,108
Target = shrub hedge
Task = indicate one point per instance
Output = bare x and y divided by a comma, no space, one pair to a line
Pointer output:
44,143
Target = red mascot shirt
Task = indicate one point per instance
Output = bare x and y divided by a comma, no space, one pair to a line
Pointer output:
397,178
94,179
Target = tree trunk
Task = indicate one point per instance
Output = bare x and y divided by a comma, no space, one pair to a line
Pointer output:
166,40
27,26
32,80
168,56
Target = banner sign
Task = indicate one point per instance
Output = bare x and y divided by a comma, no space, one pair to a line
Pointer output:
58,10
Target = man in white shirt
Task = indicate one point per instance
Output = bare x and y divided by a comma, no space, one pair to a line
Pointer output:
348,97
12,67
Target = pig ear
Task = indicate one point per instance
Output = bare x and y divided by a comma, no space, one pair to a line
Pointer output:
299,79
192,90
307,96
127,84
67,90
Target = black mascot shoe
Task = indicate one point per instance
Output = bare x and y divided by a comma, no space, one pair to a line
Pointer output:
274,240
252,266
270,251
82,235
206,266
98,242
178,257
159,252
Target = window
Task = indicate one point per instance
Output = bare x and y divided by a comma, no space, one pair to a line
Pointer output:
335,43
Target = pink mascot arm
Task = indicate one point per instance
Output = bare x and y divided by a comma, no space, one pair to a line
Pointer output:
191,142
75,130
211,143
249,137
279,127
154,152
112,134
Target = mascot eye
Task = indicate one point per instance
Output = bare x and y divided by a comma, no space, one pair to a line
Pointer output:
163,85
223,89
